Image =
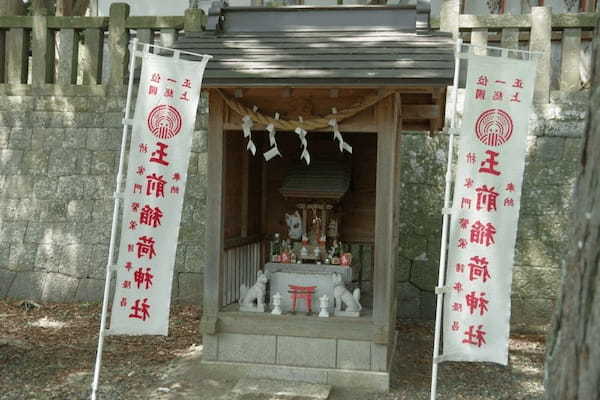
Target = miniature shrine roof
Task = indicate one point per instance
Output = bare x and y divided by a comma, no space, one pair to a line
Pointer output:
322,179
322,46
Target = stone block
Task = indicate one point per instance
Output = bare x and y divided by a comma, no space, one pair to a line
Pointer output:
196,187
529,314
413,246
267,388
70,187
408,300
22,257
306,352
75,138
62,162
427,305
11,161
536,282
90,290
47,138
45,187
21,209
12,232
16,186
191,286
27,285
4,135
195,257
4,254
247,348
97,232
48,256
98,261
52,210
35,162
75,260
352,354
84,161
102,208
362,383
59,288
424,274
79,210
210,344
103,139
20,138
103,162
199,140
6,280
99,187
379,358
16,120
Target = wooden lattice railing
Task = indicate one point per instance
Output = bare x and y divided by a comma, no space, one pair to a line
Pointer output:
39,50
566,34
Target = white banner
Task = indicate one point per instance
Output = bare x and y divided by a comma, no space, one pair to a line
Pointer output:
159,152
487,192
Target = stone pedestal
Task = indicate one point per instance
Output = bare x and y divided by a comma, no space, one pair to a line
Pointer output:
318,275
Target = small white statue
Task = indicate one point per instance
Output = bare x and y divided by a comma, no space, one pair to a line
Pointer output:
255,293
276,304
294,223
324,304
343,295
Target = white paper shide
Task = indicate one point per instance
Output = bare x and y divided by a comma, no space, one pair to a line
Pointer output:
159,152
487,198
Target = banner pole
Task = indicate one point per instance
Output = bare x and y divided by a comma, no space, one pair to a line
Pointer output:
113,232
445,219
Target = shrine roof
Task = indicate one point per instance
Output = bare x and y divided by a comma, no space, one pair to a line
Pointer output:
323,46
322,179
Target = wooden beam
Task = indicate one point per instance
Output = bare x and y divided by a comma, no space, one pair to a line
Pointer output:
213,274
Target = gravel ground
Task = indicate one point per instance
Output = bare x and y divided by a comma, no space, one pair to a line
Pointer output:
48,353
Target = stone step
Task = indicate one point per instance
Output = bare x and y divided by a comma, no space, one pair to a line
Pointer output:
258,389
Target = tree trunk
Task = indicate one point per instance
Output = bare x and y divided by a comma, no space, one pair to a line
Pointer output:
573,354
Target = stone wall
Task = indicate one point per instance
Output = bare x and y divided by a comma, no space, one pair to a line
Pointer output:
58,160
59,156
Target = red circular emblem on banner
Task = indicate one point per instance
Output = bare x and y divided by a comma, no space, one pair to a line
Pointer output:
164,121
494,127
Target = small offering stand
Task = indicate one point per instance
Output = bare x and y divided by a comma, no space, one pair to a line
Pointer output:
303,165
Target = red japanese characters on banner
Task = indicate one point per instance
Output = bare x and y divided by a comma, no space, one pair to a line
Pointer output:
168,96
486,206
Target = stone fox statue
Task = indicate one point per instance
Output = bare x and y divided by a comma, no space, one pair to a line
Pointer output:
343,295
256,292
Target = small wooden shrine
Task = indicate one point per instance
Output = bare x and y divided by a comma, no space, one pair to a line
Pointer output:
306,110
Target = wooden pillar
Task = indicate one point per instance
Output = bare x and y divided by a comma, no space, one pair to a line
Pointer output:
541,31
386,119
118,40
396,218
16,56
213,279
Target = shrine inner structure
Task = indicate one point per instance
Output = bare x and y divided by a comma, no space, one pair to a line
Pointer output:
375,71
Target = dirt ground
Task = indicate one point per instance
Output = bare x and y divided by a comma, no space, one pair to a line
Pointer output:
49,352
